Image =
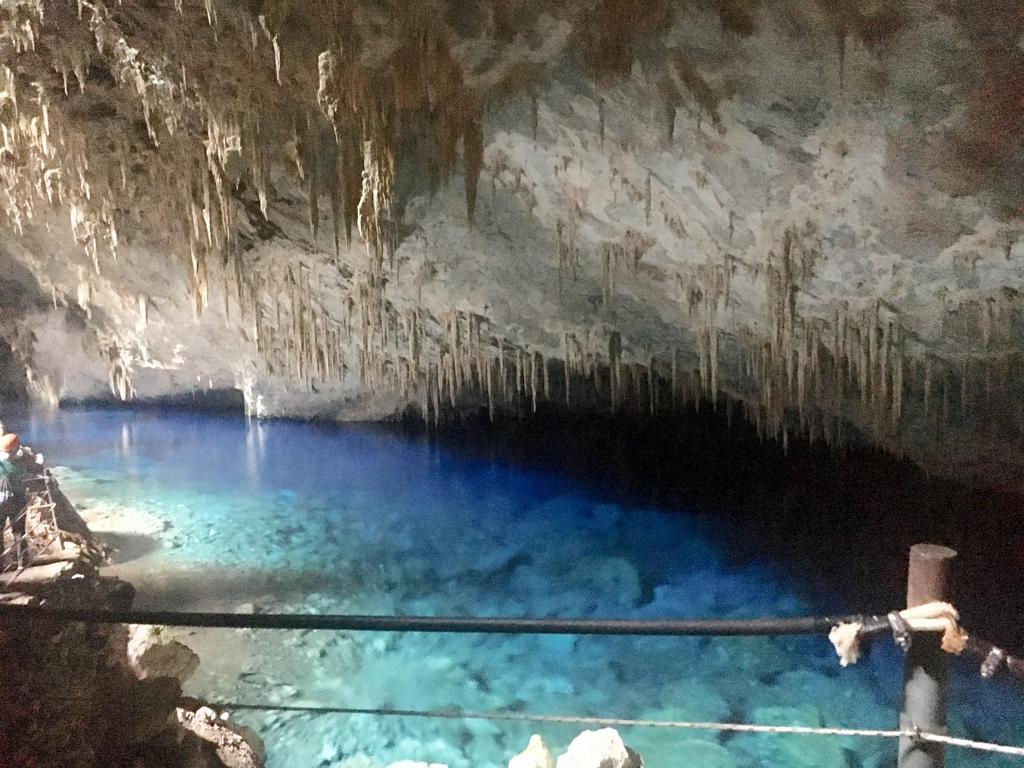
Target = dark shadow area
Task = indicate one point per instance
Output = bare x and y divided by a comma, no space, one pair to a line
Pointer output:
13,386
125,547
842,522
208,401
260,590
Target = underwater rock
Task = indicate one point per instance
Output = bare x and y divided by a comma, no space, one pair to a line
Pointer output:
599,749
709,592
612,578
150,656
355,761
558,507
699,753
414,764
752,658
601,517
844,700
536,755
689,699
281,693
792,751
534,688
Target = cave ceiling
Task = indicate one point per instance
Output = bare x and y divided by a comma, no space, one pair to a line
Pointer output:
806,212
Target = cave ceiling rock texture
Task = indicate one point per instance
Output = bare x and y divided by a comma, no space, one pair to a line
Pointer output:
806,211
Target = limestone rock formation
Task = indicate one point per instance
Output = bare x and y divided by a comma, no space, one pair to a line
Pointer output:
599,749
536,755
149,655
234,745
807,212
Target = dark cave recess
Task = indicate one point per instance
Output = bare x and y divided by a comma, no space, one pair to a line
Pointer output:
843,520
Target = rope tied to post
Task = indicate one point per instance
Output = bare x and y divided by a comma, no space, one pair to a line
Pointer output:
846,637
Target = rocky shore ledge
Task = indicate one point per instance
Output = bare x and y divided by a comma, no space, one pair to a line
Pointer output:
79,696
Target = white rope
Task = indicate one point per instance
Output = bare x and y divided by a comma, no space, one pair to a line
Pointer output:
799,730
982,746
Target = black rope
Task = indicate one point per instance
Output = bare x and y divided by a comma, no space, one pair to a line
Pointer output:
446,624
994,658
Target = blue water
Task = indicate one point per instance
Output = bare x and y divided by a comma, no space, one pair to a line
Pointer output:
217,513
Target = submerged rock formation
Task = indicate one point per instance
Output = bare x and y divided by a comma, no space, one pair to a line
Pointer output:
809,212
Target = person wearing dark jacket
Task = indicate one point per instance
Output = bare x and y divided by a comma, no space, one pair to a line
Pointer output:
13,496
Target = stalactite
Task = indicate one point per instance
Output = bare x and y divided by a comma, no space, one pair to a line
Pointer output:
437,396
473,155
841,51
871,361
534,114
519,376
312,165
964,373
615,367
419,85
277,59
946,386
647,199
897,378
927,386
713,360
375,218
490,390
675,375
502,374
883,366
568,374
651,392
607,276
533,381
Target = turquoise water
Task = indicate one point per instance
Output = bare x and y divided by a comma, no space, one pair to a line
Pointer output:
216,513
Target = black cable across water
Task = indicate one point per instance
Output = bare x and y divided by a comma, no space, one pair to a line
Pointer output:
994,658
445,624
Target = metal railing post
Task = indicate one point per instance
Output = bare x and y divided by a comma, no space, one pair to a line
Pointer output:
926,667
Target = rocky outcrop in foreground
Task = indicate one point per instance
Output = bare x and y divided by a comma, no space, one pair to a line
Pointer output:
76,695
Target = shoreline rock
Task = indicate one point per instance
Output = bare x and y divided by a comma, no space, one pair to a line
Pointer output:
77,695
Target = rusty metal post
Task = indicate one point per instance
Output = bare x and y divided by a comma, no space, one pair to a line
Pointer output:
926,668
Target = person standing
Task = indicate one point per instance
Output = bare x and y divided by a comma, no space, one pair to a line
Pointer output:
13,497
